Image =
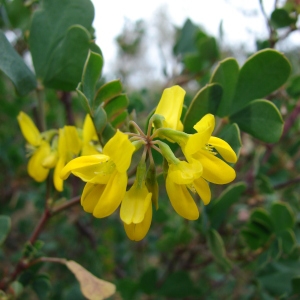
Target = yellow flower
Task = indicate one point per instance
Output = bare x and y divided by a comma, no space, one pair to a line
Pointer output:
39,148
69,146
170,107
136,211
90,140
200,146
181,177
105,175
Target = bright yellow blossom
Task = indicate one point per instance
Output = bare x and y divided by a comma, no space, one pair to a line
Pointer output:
136,211
38,146
89,137
69,146
201,145
182,177
170,107
105,175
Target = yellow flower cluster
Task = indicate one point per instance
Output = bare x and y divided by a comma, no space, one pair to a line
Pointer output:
55,148
105,173
106,177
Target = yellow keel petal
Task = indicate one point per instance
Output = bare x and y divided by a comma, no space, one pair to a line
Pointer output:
181,200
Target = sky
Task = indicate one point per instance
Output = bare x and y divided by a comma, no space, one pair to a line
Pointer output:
242,19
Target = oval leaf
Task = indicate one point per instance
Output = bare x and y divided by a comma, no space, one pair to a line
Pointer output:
263,73
261,119
91,287
282,216
226,74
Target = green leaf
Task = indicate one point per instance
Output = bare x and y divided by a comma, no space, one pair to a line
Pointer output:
120,119
282,216
91,73
216,246
258,230
148,281
67,60
83,99
17,288
260,216
5,225
296,285
108,132
116,105
218,208
18,14
108,91
42,286
280,18
179,285
13,66
100,119
208,49
261,119
206,101
263,73
293,88
186,42
59,46
231,134
288,239
255,235
226,74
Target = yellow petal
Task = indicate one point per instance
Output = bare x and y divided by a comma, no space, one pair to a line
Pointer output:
196,142
51,160
35,165
112,196
137,232
89,149
223,148
120,150
68,141
58,182
82,162
206,124
91,195
135,204
89,131
203,190
215,170
181,200
29,130
170,106
184,172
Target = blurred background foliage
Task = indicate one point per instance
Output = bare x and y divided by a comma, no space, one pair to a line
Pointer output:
246,243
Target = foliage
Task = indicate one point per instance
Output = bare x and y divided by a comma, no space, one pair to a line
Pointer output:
244,245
